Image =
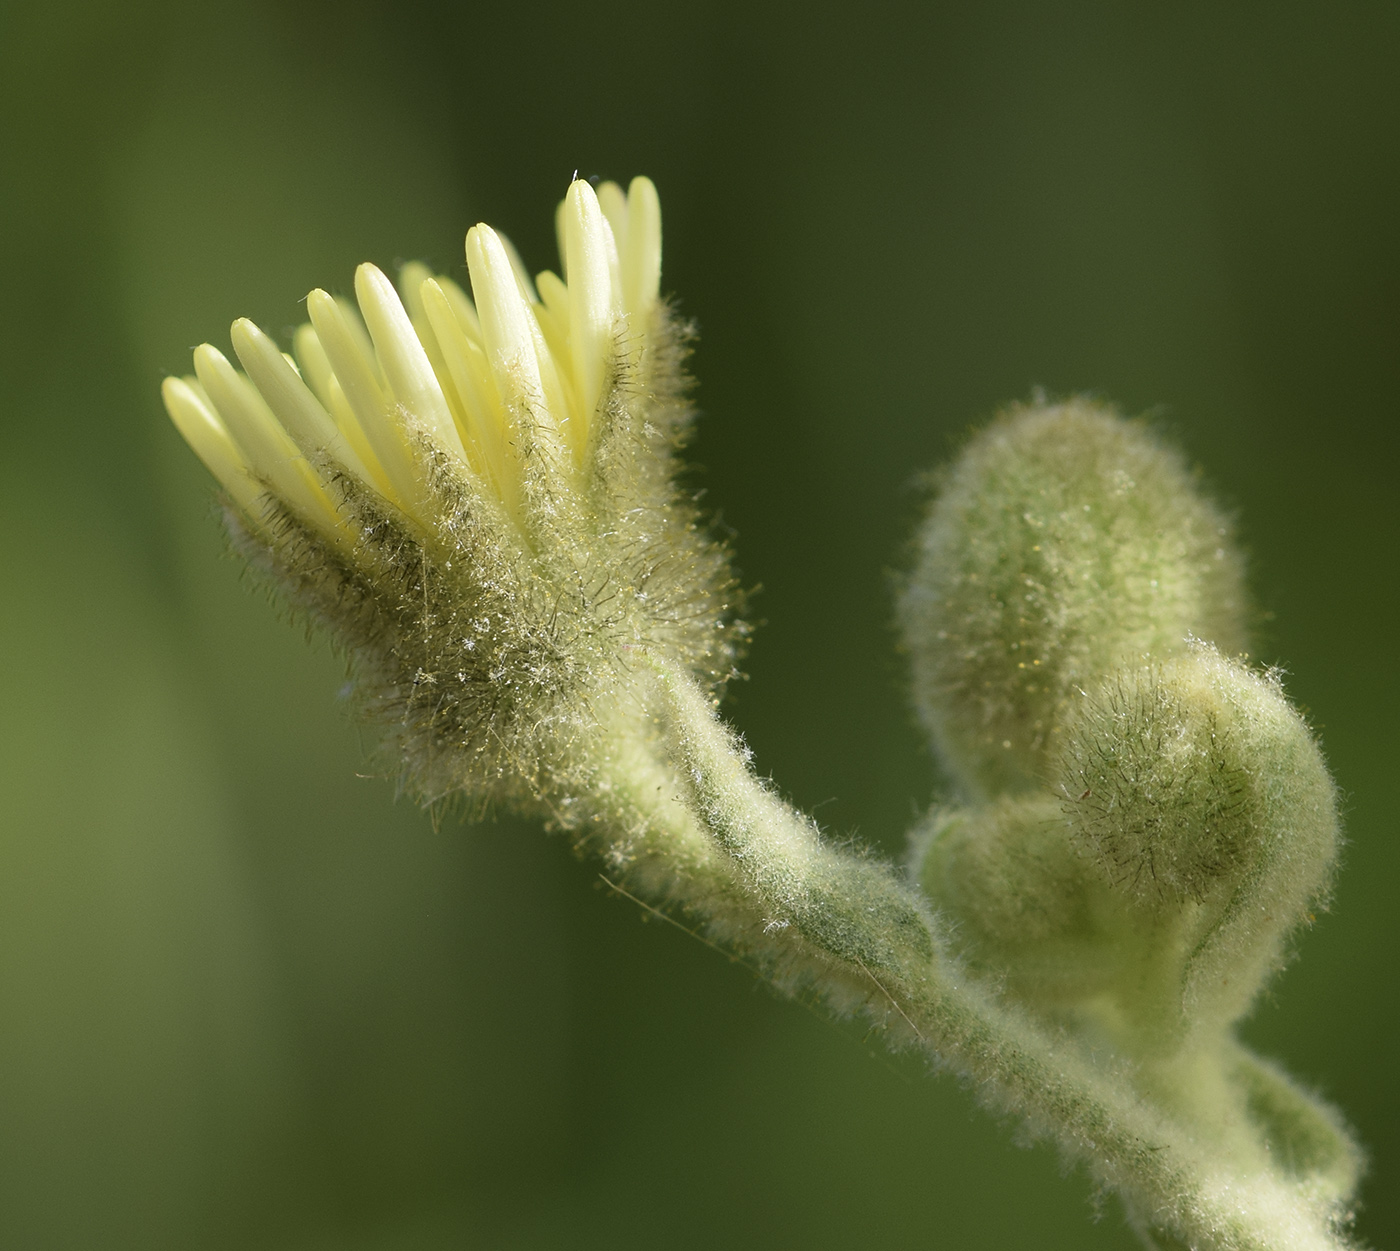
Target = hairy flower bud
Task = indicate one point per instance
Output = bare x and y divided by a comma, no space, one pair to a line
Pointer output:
477,497
1199,795
1027,907
1062,543
1192,826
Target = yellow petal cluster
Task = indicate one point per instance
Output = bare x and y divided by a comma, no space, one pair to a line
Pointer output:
475,375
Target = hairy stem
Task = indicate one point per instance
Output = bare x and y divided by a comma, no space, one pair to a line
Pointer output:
680,811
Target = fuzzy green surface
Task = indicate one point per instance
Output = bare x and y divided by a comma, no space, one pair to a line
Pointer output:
1063,542
1198,792
486,647
1026,906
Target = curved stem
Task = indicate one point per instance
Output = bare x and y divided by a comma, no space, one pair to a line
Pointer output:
1307,1137
680,811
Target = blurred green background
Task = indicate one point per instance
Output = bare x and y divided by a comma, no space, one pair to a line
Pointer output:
248,999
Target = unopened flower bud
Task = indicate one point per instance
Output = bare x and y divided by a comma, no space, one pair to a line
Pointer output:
1026,907
1063,543
1199,796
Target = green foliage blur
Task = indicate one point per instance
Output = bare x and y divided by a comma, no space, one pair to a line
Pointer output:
251,999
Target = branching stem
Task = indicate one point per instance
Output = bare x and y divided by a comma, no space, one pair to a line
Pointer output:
683,813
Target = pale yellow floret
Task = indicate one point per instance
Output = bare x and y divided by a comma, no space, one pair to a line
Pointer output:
299,412
522,275
316,370
590,268
553,317
612,199
411,279
407,370
519,370
468,380
555,298
634,217
412,276
270,451
641,255
511,339
355,326
355,371
557,398
201,428
315,367
504,315
462,307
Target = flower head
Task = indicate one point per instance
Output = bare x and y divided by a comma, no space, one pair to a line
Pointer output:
477,496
